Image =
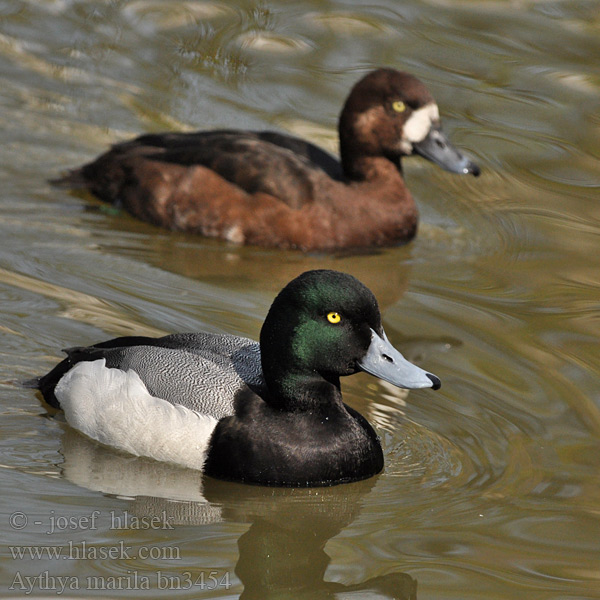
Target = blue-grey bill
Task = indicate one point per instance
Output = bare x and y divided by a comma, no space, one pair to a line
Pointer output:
437,148
384,361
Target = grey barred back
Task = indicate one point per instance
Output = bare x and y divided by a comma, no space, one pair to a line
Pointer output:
200,371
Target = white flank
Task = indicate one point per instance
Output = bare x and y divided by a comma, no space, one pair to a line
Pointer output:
418,125
115,408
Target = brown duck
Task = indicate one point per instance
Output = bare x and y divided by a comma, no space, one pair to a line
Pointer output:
276,190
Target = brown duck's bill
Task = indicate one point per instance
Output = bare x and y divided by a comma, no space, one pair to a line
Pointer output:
437,148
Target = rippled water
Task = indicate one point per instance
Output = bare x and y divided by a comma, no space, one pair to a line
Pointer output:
491,487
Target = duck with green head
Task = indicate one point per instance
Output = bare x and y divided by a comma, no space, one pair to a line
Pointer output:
268,413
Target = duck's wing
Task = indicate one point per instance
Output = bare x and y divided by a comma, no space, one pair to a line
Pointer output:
201,381
215,149
203,372
266,162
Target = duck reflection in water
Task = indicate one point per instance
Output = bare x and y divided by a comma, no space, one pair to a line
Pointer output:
281,554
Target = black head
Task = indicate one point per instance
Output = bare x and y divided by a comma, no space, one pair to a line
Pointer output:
321,326
390,113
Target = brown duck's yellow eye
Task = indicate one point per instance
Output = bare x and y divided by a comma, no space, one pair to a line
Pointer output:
399,106
334,317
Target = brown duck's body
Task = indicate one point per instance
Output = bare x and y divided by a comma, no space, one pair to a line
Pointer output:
275,190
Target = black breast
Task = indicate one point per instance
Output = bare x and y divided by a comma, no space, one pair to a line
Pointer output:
265,446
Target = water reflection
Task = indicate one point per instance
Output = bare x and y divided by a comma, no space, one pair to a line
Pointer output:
278,554
238,268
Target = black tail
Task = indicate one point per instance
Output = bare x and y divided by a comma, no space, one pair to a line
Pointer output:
34,383
47,383
70,179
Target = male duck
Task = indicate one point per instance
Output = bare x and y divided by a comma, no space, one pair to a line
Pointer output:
272,189
268,414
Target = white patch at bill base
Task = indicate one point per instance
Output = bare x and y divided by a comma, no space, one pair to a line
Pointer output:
418,125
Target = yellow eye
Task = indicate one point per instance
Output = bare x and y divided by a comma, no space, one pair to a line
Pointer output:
334,317
399,106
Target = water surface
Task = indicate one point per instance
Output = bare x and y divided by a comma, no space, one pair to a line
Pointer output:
491,487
